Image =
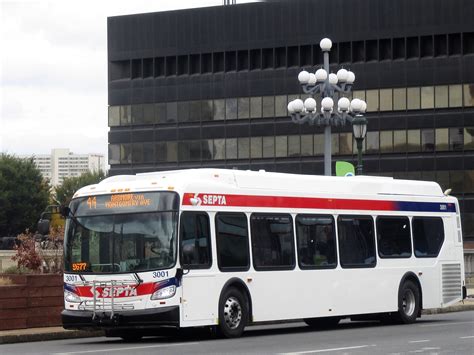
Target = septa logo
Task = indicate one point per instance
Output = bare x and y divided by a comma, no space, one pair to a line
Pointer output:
214,200
108,292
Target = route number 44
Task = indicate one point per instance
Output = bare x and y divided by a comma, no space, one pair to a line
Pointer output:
92,202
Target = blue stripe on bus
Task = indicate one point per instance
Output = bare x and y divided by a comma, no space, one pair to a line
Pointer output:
425,206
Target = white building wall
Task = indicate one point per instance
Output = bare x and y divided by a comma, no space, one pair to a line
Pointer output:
62,163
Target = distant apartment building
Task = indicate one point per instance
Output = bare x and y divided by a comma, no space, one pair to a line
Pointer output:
62,163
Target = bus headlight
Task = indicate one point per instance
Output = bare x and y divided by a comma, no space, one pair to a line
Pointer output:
165,292
71,297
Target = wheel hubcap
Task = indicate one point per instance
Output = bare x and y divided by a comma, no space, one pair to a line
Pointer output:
232,312
408,302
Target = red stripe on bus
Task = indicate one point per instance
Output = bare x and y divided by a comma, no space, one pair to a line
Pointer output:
228,200
119,291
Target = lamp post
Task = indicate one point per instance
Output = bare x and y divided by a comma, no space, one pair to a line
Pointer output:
326,85
359,128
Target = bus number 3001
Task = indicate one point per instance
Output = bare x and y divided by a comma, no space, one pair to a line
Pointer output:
158,274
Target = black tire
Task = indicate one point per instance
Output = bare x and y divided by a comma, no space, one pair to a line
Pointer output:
322,323
233,313
409,303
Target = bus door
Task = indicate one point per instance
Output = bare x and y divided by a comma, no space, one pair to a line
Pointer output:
198,281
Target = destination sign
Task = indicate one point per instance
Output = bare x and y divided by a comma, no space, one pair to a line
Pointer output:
124,203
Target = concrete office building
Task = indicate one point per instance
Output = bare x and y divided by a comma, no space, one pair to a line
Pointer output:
62,163
209,87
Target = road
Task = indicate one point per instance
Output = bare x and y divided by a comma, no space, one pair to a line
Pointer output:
449,333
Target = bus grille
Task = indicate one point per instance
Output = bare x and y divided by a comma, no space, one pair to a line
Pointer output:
452,286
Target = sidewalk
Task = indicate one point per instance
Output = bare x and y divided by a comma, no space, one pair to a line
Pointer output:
42,334
56,333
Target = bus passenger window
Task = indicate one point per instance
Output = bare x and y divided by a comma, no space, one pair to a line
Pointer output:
393,237
356,241
272,241
195,240
428,236
316,241
232,242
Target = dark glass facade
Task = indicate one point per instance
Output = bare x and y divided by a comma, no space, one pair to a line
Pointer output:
209,88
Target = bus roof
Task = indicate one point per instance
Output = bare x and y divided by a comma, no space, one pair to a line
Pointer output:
227,180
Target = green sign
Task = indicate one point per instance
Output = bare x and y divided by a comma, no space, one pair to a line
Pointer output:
343,168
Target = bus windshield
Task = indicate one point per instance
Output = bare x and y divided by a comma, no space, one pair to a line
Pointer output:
110,235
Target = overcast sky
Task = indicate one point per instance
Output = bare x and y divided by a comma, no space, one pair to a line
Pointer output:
54,71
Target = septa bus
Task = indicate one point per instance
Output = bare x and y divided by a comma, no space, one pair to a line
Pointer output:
227,248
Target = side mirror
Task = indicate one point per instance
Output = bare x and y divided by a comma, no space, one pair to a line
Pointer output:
43,226
64,211
179,275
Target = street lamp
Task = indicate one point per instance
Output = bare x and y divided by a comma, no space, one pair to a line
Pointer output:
326,85
359,128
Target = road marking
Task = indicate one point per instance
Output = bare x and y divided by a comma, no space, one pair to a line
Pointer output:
430,348
444,324
327,350
124,349
469,337
420,341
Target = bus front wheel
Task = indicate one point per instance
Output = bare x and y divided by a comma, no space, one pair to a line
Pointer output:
408,303
233,313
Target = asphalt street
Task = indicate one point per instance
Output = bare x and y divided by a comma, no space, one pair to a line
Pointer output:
449,333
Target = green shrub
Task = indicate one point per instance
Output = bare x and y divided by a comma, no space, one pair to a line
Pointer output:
17,270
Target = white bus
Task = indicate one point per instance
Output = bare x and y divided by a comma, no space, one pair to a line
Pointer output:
226,248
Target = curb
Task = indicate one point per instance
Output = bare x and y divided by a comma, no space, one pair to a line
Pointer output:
56,335
464,306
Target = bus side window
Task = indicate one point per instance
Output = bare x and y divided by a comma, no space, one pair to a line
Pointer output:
272,241
232,241
393,237
356,241
195,248
428,236
316,241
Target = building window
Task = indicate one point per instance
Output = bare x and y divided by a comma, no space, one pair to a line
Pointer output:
231,148
243,145
256,147
219,110
231,109
469,138
114,116
427,97
243,107
455,95
442,139
399,141
268,147
413,98
372,142
427,140
386,100
255,107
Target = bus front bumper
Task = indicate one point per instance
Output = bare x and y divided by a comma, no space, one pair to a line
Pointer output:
146,318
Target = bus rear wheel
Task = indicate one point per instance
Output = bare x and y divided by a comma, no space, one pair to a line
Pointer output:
408,303
233,313
322,323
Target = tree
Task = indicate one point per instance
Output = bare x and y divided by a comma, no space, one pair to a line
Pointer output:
64,192
24,194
